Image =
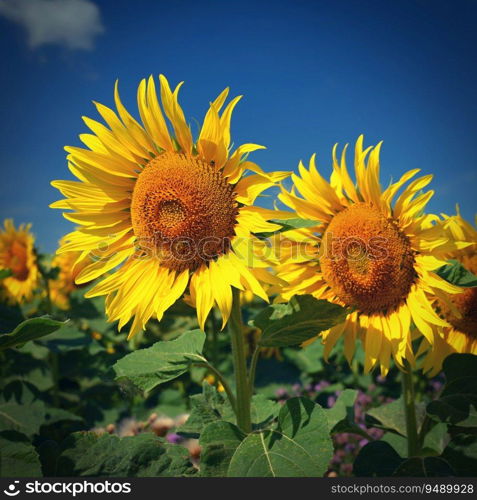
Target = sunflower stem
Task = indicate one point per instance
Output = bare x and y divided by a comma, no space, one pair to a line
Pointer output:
240,365
410,411
253,368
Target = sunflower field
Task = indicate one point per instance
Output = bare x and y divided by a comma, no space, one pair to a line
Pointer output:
184,329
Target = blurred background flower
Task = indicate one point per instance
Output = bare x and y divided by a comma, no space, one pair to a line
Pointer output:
18,259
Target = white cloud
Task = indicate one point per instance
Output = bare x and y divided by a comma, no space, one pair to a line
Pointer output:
71,23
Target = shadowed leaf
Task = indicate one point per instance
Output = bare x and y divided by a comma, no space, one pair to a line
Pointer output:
303,318
219,440
454,272
299,446
144,455
31,329
164,361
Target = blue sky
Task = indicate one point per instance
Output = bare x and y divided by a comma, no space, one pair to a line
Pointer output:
312,72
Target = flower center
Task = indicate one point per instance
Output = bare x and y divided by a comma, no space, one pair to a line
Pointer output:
367,261
183,210
17,261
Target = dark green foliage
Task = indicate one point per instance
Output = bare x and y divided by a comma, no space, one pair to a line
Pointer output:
145,455
298,446
301,319
59,393
454,272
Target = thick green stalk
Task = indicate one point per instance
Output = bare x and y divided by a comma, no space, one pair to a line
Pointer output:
240,365
253,368
410,411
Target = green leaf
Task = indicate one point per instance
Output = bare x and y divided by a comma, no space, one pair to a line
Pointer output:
455,409
144,455
55,415
308,359
205,409
35,350
454,272
461,453
22,418
263,410
211,406
164,361
218,440
398,442
391,416
19,391
376,459
299,446
68,338
18,457
424,467
341,415
31,329
457,404
296,223
436,440
461,374
301,319
287,225
5,273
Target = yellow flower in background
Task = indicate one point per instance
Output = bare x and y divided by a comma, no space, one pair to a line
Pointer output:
370,253
212,380
70,264
459,310
163,212
17,254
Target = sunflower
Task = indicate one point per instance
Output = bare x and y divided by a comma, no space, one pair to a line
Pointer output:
368,253
70,265
163,212
17,255
459,310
